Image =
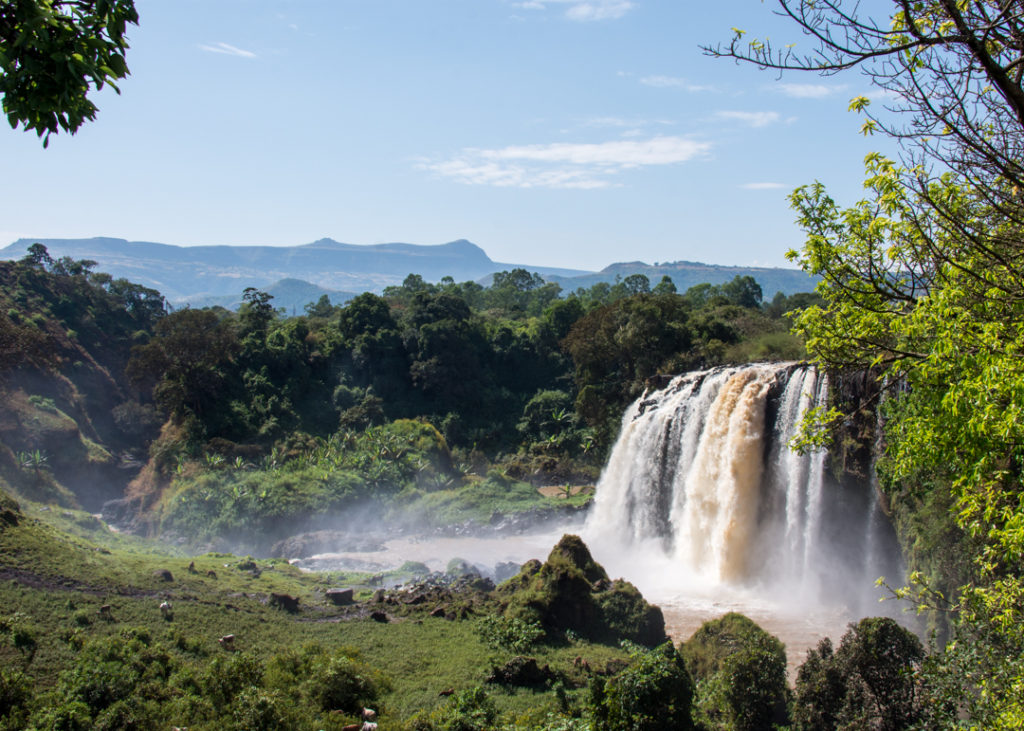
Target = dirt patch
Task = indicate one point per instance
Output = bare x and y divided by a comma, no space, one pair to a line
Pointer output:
561,491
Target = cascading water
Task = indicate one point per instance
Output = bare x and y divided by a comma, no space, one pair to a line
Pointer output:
703,483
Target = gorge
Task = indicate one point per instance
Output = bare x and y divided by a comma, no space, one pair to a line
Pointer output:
706,508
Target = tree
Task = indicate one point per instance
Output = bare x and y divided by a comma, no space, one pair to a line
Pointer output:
637,284
256,312
37,257
615,348
655,692
665,286
923,281
741,674
743,291
184,361
869,682
54,53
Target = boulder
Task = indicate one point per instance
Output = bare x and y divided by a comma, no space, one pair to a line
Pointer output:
505,570
341,596
461,567
285,601
572,592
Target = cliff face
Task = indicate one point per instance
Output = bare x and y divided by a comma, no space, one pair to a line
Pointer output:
71,430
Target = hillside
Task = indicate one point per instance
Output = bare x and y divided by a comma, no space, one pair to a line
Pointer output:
291,295
216,275
189,274
686,274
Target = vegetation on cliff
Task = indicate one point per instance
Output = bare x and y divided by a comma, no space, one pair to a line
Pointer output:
922,281
411,400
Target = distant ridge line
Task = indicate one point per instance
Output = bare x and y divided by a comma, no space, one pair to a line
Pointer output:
218,272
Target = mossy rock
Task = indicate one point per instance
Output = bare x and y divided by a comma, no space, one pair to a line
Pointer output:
572,549
628,616
570,592
461,567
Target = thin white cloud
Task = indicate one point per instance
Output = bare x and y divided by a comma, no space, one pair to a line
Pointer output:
754,119
809,91
619,122
582,10
764,186
564,165
673,82
228,50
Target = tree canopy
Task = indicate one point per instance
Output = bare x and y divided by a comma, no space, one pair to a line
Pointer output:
922,282
54,53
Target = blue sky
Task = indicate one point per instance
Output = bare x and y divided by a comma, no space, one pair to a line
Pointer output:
568,133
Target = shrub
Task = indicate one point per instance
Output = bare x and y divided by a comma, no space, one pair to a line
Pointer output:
470,710
868,682
260,710
655,692
628,616
225,678
346,684
43,403
741,675
15,694
514,634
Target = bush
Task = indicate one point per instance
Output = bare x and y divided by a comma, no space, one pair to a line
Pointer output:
225,679
514,634
15,694
346,684
868,682
260,710
741,675
470,710
655,692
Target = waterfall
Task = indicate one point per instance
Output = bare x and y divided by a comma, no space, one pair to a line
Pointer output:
703,474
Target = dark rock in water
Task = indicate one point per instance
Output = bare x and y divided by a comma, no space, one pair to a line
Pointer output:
163,575
505,570
414,567
521,671
341,596
461,567
305,545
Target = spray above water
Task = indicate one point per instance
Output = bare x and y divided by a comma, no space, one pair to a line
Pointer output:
703,492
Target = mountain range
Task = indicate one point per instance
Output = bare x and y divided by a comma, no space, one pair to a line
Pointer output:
295,275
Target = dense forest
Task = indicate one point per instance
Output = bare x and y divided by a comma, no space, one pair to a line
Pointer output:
391,398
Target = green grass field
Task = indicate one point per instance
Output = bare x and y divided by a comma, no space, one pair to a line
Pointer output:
58,569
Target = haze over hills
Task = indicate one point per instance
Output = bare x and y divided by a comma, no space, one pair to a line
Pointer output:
686,274
204,275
